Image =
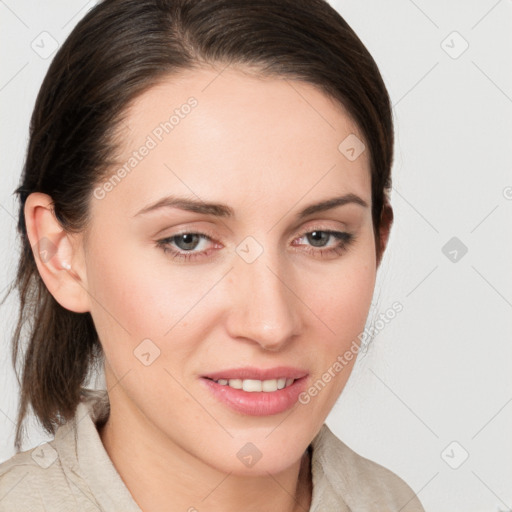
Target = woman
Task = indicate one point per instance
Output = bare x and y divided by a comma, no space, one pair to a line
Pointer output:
203,210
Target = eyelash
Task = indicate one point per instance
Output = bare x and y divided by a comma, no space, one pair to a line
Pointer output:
344,241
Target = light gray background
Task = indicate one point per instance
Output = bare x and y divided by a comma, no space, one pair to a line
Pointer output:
435,384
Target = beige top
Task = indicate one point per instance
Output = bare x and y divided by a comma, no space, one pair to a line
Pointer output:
74,472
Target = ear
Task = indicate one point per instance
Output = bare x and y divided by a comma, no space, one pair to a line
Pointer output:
386,221
58,254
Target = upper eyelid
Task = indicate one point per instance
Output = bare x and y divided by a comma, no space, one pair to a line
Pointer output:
206,232
312,226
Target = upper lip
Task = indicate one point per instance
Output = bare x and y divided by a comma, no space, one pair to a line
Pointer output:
249,372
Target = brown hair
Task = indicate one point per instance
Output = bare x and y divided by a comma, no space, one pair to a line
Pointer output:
115,53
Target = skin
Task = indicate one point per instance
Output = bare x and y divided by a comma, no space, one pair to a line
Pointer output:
266,147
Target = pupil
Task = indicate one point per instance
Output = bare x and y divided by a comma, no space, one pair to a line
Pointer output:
188,239
317,236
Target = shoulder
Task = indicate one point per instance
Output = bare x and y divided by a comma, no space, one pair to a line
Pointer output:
26,477
70,472
359,481
35,480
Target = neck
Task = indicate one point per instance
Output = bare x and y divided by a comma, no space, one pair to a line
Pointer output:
157,472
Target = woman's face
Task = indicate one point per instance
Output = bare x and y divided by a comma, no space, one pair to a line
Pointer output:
249,291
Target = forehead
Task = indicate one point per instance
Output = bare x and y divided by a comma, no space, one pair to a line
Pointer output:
226,134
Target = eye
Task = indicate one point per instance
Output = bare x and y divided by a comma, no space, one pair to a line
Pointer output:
186,243
319,238
183,246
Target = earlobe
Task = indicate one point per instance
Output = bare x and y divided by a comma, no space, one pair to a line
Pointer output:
56,254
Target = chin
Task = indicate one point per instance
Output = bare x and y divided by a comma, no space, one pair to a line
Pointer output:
257,454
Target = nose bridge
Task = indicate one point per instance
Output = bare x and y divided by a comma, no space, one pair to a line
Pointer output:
265,309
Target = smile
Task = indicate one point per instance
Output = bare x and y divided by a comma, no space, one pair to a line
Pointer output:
253,385
256,391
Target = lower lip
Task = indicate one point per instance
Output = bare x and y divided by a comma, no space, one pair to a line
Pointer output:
258,403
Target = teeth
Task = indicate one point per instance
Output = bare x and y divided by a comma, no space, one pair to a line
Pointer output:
269,385
235,383
253,385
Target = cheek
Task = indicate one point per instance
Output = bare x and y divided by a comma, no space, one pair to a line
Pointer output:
136,283
342,313
131,300
341,296
139,295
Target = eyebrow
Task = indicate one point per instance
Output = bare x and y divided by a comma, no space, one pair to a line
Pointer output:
222,210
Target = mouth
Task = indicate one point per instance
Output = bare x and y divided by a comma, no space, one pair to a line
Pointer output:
257,392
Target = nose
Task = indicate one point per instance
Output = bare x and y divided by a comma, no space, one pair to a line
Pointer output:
264,307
